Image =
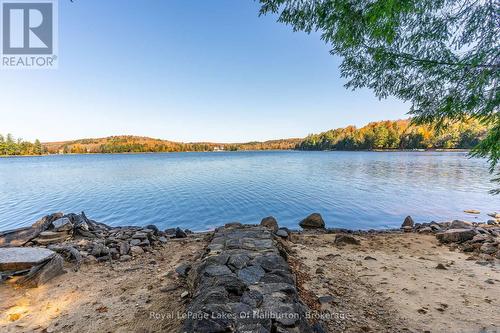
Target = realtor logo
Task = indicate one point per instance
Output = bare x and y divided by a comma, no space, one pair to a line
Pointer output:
29,38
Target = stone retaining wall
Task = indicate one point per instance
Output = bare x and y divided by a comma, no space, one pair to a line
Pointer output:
243,284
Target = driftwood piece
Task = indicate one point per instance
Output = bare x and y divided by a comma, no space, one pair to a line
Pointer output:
70,252
43,272
21,236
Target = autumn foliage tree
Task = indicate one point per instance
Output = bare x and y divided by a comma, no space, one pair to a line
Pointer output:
442,56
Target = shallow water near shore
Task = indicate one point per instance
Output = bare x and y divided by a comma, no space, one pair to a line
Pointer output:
199,191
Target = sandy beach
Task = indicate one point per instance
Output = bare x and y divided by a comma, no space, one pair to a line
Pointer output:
390,283
105,297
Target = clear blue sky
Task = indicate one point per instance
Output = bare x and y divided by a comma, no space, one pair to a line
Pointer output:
183,70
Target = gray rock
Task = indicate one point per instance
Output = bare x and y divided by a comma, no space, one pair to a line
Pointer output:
217,270
43,272
457,224
62,224
140,235
408,222
232,225
170,231
435,227
179,233
51,237
456,235
251,274
270,262
154,228
252,298
124,248
346,239
488,248
135,242
114,253
269,223
283,233
21,236
136,250
313,221
183,269
99,250
125,257
162,239
425,230
278,276
104,258
238,260
21,258
479,238
90,259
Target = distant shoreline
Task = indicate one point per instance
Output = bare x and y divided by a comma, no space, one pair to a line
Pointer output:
458,150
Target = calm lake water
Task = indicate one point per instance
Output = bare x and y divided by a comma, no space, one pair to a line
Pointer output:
200,191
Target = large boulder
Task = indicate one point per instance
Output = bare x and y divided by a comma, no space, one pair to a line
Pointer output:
313,221
456,235
457,224
408,222
270,223
43,264
20,258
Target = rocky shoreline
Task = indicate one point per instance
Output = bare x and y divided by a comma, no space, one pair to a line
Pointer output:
80,239
234,272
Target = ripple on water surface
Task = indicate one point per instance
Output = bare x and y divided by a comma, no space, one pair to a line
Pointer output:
203,190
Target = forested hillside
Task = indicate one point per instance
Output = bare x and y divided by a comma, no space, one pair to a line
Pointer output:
134,144
397,134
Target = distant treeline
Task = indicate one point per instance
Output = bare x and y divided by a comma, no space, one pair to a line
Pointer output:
135,144
399,134
11,146
377,135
